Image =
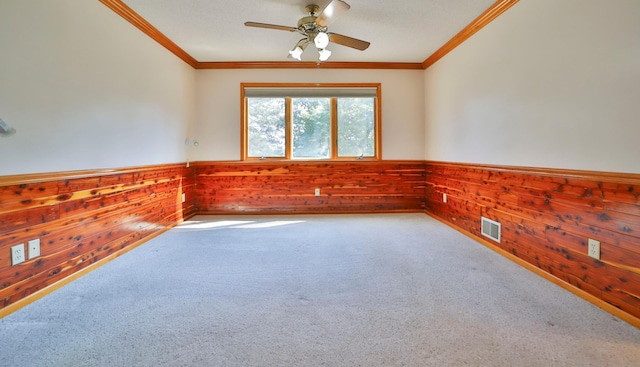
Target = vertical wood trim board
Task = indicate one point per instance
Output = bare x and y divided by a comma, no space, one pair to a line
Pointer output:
547,217
82,218
288,187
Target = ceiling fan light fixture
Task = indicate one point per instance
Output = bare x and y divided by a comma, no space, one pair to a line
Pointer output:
324,54
313,27
296,53
321,40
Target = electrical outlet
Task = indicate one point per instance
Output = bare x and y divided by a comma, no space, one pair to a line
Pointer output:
594,249
317,192
444,198
184,197
34,248
17,254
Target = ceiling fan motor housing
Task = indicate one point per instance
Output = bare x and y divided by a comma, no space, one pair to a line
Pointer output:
307,25
309,28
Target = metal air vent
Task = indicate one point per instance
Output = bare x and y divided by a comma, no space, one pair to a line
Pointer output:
491,229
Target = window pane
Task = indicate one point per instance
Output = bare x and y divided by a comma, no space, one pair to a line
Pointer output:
356,127
311,127
266,130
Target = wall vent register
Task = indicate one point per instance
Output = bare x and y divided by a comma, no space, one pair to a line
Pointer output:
491,229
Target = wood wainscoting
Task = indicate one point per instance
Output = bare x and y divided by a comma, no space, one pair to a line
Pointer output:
82,218
289,186
547,217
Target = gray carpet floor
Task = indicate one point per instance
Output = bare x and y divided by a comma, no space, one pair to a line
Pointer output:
314,290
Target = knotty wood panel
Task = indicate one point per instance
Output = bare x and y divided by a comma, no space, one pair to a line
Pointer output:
547,217
270,187
83,217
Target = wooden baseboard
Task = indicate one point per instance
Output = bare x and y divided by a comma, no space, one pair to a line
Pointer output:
577,291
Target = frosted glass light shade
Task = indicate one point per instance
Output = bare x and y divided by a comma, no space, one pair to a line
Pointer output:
321,40
324,55
296,53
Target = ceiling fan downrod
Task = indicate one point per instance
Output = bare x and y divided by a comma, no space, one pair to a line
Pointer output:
312,9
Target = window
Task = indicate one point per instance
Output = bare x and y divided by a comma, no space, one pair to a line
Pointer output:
299,121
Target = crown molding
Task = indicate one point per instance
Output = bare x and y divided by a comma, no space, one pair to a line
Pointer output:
308,65
134,18
485,18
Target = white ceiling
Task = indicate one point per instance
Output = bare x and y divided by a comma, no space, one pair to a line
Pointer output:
399,30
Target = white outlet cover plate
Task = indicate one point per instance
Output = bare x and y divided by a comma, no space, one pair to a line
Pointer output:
17,254
34,248
594,249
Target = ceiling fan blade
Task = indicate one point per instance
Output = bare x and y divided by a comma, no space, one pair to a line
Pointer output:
331,12
348,41
270,26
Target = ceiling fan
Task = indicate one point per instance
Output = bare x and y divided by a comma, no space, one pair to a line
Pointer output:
314,28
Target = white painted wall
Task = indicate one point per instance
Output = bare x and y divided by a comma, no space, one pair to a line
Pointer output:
85,90
217,124
549,83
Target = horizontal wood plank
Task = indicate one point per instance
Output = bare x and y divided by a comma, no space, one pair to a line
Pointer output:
227,187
